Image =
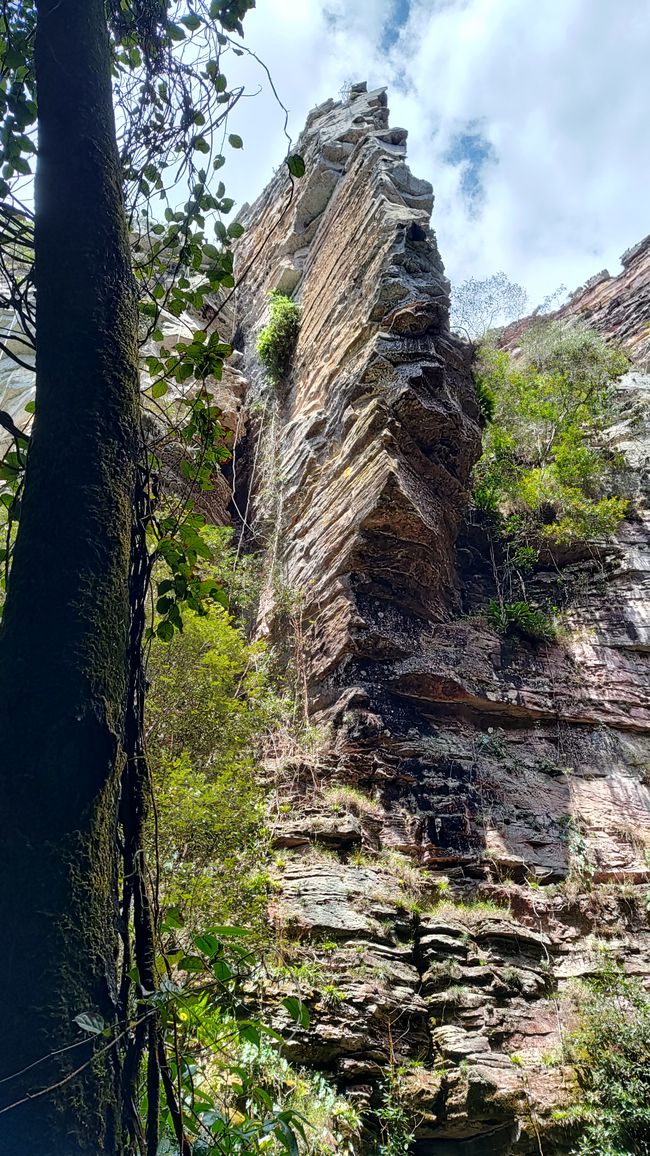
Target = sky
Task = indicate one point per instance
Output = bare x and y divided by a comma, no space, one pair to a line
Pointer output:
529,117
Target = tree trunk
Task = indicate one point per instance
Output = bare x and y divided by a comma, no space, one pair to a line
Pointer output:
63,646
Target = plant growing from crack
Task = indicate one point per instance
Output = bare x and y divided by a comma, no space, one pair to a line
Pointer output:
276,343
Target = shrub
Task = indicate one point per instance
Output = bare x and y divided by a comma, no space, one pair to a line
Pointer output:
521,619
395,1122
544,473
611,1055
487,400
332,1123
216,1074
209,700
277,341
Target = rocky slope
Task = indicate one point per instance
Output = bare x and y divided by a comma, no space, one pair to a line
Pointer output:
474,823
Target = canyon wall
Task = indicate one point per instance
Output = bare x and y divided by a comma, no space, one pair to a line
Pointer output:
496,836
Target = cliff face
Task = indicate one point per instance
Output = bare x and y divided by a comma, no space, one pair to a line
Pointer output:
503,773
619,307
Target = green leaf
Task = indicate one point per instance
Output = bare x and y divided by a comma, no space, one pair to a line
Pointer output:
91,1022
296,165
191,21
236,230
173,917
221,970
159,389
192,963
30,407
267,1031
235,141
286,1137
250,1033
208,944
165,631
297,1011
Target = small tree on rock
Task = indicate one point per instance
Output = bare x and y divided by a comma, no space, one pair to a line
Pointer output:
478,306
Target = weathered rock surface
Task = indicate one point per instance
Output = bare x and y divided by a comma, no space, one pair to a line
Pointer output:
522,772
618,307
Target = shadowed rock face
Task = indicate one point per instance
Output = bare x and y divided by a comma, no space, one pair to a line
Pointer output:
507,767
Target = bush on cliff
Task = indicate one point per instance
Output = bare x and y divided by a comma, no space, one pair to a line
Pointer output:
545,472
277,341
210,701
611,1055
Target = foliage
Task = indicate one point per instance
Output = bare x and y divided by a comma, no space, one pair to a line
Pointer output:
173,102
487,400
611,1055
347,798
238,574
470,912
209,703
544,473
212,1089
332,1123
478,306
277,341
521,619
396,1128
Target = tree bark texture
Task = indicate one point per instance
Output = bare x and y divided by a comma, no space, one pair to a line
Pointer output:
63,645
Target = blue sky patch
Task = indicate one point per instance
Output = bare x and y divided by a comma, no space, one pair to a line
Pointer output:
393,26
473,152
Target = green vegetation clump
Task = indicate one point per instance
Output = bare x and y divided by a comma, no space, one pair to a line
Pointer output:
210,701
277,342
545,474
469,913
346,798
487,400
331,1121
520,619
610,1052
396,1133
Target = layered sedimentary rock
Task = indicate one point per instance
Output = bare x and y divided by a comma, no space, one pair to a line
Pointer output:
509,773
619,306
616,306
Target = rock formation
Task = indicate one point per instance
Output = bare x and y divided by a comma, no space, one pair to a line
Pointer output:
513,777
618,307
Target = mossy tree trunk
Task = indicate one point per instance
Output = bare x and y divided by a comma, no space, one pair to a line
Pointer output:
63,647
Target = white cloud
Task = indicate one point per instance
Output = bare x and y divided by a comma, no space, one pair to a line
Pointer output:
560,89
